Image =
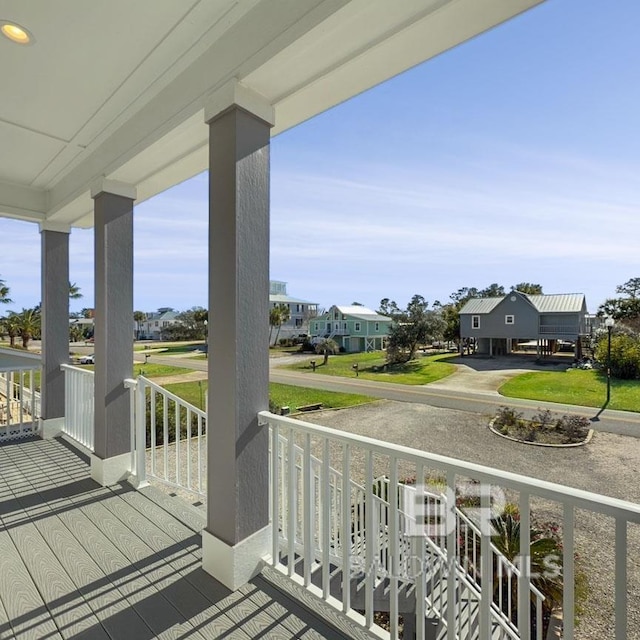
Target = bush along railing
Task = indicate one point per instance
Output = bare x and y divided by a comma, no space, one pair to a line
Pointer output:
167,438
449,551
79,405
19,403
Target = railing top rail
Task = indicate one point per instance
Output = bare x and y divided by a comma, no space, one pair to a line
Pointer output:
21,367
70,367
20,354
579,498
172,396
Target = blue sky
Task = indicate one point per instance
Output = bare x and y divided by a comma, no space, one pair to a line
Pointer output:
512,158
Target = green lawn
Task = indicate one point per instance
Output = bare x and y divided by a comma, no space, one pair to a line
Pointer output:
574,386
282,395
422,370
148,370
169,348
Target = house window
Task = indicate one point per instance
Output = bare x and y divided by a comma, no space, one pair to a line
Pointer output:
298,322
377,326
315,326
345,326
329,327
336,315
357,326
509,319
337,326
475,322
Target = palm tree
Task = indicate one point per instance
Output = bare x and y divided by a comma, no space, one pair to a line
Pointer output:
74,291
327,346
9,326
28,323
4,293
283,316
139,317
274,319
545,558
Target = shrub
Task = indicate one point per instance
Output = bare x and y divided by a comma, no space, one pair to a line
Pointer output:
574,427
544,418
625,355
507,417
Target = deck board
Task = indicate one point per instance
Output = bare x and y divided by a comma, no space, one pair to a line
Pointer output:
85,562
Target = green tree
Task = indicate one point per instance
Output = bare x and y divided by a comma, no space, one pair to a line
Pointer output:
74,291
282,317
9,327
139,317
274,320
494,290
189,325
631,288
28,324
626,309
545,559
413,326
625,353
389,308
4,293
528,287
76,332
326,347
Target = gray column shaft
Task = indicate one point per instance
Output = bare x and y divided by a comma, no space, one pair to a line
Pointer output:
55,321
238,325
113,322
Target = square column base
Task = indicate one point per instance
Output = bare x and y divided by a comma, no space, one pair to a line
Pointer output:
109,471
235,566
51,428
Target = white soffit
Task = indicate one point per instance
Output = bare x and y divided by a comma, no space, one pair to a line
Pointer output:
117,91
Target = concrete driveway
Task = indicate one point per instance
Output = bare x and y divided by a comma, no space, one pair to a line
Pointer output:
486,375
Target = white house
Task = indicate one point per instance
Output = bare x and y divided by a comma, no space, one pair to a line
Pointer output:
151,328
301,311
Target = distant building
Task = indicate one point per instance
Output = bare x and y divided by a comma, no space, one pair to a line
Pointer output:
302,311
151,328
354,328
498,325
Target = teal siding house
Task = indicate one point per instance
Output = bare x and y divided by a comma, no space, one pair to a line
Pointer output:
354,328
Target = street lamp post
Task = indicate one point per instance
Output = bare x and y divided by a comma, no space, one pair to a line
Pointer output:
206,339
609,322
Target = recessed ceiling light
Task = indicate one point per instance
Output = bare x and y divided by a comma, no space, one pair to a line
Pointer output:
15,32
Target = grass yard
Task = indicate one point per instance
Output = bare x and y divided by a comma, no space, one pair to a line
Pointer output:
148,370
151,370
422,370
282,395
574,386
171,348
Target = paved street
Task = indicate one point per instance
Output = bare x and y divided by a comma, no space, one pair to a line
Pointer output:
482,401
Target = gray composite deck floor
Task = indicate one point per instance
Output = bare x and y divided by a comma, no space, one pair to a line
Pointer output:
81,561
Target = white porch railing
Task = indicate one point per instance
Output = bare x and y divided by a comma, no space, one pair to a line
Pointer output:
171,432
79,405
19,403
320,538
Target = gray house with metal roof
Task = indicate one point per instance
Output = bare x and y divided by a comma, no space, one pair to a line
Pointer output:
498,325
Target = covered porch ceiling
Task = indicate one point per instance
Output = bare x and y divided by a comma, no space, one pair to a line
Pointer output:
116,89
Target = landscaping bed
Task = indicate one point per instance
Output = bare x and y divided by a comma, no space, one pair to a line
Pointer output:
543,429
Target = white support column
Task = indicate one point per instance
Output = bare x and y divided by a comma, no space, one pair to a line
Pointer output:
237,536
113,206
55,324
